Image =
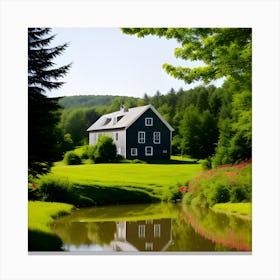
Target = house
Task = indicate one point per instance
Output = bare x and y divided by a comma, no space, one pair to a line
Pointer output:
145,235
139,133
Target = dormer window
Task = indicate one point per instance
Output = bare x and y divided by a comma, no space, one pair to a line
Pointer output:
148,121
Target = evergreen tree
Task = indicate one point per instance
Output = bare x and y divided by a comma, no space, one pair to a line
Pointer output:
43,114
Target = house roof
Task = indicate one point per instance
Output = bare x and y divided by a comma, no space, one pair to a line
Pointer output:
123,119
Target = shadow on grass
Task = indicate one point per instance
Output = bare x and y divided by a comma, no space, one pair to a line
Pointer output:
41,241
98,195
172,161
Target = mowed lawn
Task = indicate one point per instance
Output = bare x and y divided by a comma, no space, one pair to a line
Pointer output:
159,179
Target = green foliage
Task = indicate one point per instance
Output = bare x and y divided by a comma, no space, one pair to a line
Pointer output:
43,114
71,158
224,51
206,164
56,189
224,184
199,132
227,53
105,150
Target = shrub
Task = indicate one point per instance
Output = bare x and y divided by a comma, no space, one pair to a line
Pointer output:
206,164
71,158
56,189
218,194
105,150
239,194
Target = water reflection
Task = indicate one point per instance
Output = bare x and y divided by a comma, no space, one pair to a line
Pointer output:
156,227
147,235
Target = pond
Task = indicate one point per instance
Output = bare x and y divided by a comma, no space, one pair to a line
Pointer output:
162,227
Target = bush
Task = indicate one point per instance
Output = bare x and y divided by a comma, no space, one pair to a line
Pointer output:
55,189
239,194
218,194
71,158
206,164
105,150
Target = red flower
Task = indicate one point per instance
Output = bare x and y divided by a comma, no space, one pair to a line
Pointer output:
190,189
34,186
182,189
232,182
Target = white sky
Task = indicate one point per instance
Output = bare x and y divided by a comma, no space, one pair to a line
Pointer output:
107,61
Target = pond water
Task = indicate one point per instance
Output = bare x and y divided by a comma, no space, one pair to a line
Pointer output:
163,227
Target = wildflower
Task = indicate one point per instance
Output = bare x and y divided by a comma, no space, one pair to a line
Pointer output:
34,186
232,182
190,184
182,189
181,216
190,189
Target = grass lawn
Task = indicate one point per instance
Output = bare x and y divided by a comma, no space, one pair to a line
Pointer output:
40,216
239,208
159,180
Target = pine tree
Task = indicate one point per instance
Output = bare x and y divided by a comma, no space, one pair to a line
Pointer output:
43,114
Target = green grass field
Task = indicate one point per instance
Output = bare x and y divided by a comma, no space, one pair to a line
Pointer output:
40,216
239,208
161,181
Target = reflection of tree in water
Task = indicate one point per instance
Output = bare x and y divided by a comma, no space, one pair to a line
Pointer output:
78,233
186,239
101,233
226,231
72,233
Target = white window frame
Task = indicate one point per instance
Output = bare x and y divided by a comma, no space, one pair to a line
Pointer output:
156,138
141,139
156,230
149,121
134,152
149,246
146,151
141,231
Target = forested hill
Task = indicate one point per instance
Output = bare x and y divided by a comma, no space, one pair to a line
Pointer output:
86,101
206,119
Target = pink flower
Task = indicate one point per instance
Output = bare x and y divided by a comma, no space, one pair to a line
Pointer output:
182,189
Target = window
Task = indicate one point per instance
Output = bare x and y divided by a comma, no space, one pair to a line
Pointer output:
157,137
148,151
149,246
141,137
134,152
148,121
116,136
156,230
141,231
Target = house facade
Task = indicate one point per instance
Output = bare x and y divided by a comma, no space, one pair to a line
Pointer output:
146,235
138,133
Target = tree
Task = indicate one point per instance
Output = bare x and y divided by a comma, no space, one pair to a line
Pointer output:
220,52
199,133
43,114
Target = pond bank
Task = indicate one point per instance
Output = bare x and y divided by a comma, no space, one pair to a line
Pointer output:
40,216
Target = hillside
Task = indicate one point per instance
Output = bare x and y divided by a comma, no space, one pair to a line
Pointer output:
86,101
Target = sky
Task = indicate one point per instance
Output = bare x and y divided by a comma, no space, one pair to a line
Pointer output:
106,61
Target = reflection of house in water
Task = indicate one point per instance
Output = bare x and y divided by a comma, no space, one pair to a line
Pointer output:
147,235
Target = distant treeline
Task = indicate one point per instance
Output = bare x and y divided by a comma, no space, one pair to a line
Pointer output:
204,118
